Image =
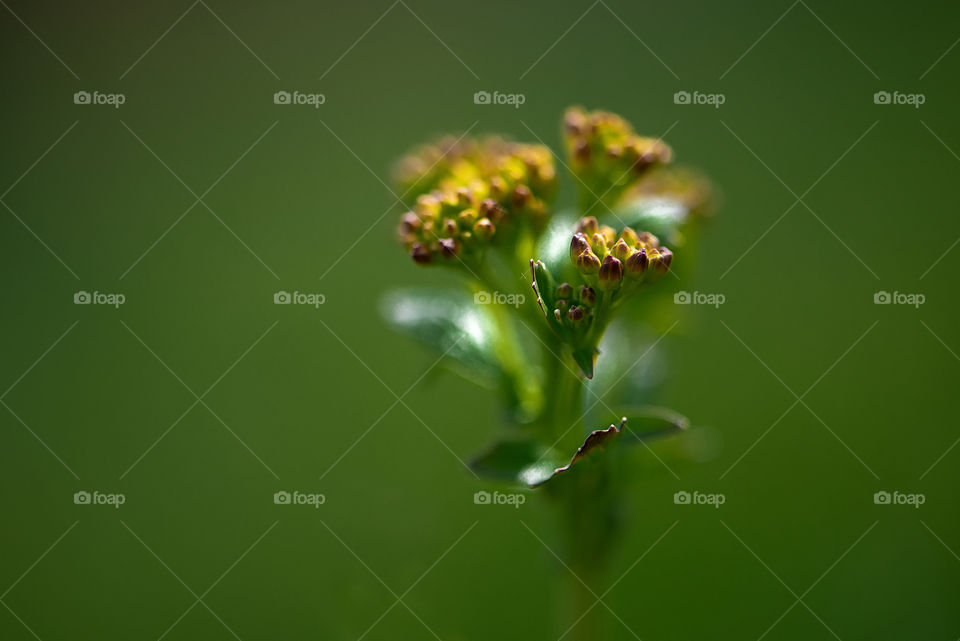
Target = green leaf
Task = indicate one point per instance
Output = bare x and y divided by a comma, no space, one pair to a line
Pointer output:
522,462
449,322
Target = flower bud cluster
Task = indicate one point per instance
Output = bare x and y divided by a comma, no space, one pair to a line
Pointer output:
479,192
612,261
606,154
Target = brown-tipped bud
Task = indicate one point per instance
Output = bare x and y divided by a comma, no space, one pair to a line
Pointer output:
581,151
620,250
629,236
463,197
409,223
449,227
578,245
449,247
666,258
575,314
611,271
599,245
574,122
614,151
563,305
588,263
637,263
564,290
467,217
521,196
648,239
420,254
557,315
491,209
428,205
484,229
498,187
587,226
587,295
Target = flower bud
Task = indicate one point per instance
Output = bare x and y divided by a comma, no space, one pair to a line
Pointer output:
588,263
646,238
484,229
449,247
611,271
409,223
599,245
664,259
420,254
637,263
588,226
449,227
629,236
467,217
620,250
578,245
521,196
564,290
575,314
587,295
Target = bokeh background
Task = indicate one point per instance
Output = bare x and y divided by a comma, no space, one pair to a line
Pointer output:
199,398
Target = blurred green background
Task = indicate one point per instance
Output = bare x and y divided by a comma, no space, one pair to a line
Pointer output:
105,399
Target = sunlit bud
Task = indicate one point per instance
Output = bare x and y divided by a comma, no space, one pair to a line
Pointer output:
409,222
620,250
609,234
449,247
614,151
420,254
428,205
467,217
599,245
587,295
637,263
558,315
463,197
564,290
629,236
484,229
449,226
491,209
611,271
578,245
575,314
574,122
498,187
588,263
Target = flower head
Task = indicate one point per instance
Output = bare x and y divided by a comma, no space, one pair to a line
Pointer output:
474,193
